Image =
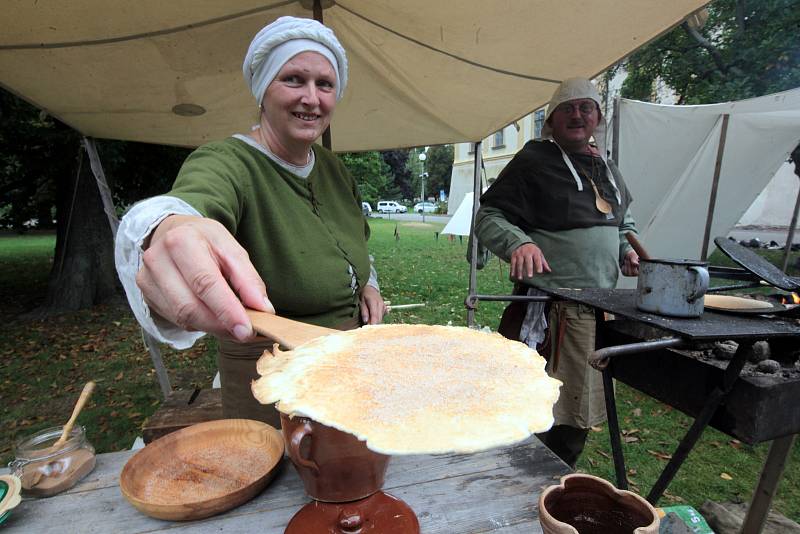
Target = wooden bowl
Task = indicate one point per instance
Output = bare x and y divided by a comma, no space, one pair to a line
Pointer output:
202,470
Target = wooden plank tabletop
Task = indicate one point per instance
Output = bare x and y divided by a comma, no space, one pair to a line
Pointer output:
493,491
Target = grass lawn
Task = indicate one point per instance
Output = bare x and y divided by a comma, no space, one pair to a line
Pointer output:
46,362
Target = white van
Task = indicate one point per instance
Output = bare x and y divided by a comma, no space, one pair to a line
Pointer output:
366,209
390,206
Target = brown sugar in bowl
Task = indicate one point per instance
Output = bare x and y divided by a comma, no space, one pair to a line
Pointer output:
202,470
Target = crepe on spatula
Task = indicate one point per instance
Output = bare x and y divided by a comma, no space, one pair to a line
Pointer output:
414,389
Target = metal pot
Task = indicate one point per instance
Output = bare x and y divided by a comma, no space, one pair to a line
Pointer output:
672,287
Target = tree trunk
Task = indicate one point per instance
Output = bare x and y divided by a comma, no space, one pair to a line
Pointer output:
83,271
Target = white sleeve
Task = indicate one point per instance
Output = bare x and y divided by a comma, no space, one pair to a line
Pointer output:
134,228
373,274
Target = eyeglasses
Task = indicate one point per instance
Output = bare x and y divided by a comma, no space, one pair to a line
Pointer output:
585,108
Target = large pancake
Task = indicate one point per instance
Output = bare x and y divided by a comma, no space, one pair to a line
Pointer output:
414,389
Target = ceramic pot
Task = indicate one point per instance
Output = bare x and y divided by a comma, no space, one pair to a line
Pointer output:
672,287
585,504
335,466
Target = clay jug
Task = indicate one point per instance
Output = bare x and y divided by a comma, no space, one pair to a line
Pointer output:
585,504
335,466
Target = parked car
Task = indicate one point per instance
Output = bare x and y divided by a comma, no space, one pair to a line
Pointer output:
366,209
390,206
427,207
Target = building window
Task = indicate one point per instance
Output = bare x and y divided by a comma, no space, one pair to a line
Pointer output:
538,123
471,148
498,139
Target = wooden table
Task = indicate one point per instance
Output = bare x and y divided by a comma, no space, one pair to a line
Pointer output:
492,491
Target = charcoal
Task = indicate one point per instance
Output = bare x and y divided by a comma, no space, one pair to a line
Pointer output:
768,367
724,350
759,352
754,243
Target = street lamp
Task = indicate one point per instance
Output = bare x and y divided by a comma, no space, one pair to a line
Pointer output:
422,158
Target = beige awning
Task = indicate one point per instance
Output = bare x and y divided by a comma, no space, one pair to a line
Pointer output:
421,71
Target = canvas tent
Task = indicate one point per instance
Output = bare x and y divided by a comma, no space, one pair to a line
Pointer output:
459,223
669,154
421,72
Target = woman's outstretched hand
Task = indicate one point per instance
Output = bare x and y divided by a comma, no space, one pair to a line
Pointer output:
195,275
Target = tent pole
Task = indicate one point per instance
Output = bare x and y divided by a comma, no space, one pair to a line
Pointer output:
326,135
712,199
790,235
108,207
102,184
615,132
473,253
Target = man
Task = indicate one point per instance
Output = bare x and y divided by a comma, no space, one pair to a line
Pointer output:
558,213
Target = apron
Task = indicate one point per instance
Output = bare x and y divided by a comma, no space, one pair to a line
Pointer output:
237,370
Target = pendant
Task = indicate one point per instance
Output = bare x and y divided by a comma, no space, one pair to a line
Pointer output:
602,205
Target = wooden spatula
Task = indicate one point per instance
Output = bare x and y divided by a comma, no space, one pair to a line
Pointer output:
637,246
286,332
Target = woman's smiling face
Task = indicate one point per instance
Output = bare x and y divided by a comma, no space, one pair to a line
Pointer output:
298,104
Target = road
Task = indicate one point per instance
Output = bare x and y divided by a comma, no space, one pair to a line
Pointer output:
764,234
429,217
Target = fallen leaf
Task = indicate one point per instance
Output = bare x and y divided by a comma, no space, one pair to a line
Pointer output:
118,377
596,429
660,455
604,454
630,439
725,476
637,412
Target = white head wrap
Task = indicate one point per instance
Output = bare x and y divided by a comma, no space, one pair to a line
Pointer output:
280,41
574,89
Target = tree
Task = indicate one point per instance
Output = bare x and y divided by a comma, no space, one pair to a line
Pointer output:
45,175
35,151
397,160
371,174
743,49
439,166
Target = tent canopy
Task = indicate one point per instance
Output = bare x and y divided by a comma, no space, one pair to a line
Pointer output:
668,156
421,72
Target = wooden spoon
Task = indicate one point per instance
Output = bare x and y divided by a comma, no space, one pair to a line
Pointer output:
288,333
85,394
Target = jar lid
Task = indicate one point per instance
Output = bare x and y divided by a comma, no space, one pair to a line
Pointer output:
10,487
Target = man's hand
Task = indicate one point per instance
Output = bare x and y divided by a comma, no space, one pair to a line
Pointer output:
526,260
372,306
192,272
630,264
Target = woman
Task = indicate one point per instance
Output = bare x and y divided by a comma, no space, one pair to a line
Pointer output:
267,220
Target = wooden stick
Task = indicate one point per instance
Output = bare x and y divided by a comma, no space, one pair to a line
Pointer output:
85,394
403,306
637,246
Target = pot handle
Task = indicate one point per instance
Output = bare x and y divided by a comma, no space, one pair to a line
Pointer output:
701,283
294,447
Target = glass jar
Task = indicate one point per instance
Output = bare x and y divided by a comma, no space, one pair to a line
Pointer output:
45,471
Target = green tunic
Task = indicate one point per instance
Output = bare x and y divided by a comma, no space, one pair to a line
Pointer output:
302,234
535,200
